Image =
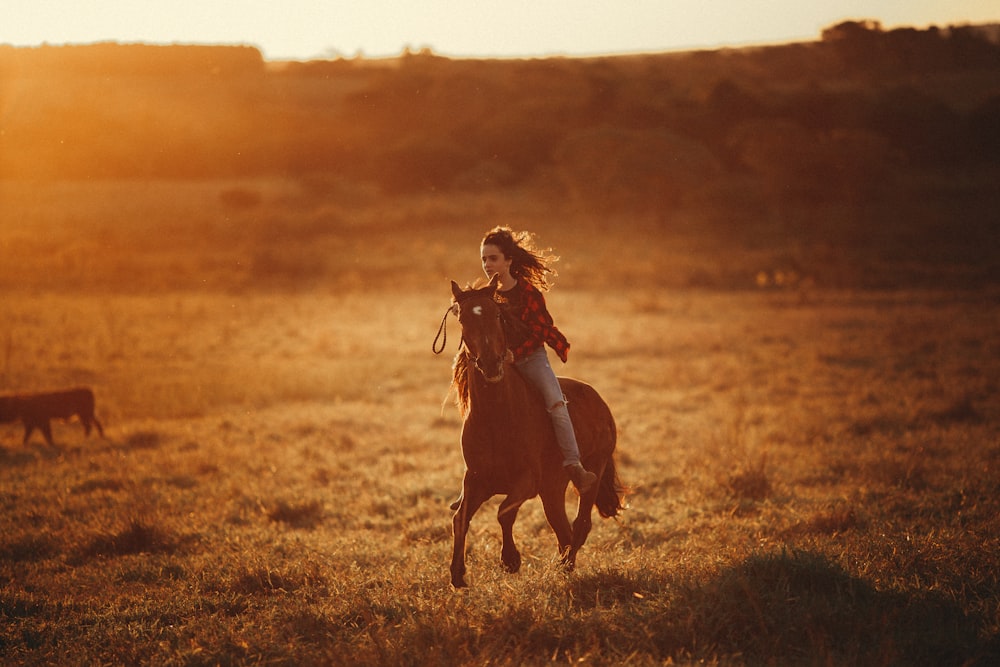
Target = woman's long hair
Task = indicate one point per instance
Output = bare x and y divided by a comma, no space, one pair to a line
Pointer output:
527,262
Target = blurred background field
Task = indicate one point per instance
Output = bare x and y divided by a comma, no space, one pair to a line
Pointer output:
779,268
865,159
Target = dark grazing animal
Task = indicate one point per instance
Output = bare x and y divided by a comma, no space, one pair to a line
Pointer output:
509,444
37,409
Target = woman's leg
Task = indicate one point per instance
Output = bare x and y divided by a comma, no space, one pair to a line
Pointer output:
536,369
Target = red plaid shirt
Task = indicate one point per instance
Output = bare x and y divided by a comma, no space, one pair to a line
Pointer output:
528,305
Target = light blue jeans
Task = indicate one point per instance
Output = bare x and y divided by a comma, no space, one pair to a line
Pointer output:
536,369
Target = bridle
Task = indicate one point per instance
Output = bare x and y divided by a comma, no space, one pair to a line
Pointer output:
503,337
442,335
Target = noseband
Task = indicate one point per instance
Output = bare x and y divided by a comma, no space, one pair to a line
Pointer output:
491,380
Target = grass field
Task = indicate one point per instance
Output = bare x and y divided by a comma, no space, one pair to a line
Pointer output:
813,470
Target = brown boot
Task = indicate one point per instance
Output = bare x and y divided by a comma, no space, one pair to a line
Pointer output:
581,478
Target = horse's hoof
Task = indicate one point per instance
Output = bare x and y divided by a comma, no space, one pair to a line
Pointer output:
512,565
568,563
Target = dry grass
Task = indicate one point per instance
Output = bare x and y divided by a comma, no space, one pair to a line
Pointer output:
814,471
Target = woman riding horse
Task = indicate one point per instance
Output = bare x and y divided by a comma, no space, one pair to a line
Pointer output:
510,440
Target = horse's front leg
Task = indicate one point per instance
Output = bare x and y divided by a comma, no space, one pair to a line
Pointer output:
524,487
506,515
471,500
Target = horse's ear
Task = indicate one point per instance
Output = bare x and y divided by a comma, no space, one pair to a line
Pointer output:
456,290
494,281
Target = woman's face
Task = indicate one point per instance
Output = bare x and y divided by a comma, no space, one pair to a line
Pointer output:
494,261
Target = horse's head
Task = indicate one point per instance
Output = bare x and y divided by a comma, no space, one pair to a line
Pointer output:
482,329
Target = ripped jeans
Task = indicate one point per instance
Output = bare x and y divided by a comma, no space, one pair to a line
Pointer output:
536,369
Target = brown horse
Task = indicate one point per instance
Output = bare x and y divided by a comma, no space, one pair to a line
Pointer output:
509,444
38,409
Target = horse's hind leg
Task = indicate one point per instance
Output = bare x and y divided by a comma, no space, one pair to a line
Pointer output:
506,515
554,502
582,524
581,529
42,425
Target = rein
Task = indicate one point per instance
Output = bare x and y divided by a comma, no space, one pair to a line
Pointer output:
442,334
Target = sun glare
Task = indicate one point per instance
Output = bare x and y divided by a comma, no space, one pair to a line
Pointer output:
304,29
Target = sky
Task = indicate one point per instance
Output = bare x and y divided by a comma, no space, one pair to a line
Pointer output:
311,29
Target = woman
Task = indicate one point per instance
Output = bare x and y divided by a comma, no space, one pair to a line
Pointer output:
521,270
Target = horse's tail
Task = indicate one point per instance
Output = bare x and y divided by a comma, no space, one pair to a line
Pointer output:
610,491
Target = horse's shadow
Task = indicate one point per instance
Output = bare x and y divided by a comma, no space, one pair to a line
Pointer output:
21,455
795,608
14,455
17,455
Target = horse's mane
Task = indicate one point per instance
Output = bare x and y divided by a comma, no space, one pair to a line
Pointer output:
460,380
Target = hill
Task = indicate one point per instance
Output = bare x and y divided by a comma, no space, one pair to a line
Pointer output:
922,98
866,145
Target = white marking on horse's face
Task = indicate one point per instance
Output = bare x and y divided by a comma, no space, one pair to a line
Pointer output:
477,310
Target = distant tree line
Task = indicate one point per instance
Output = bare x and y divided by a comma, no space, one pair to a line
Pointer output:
837,117
865,46
113,59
